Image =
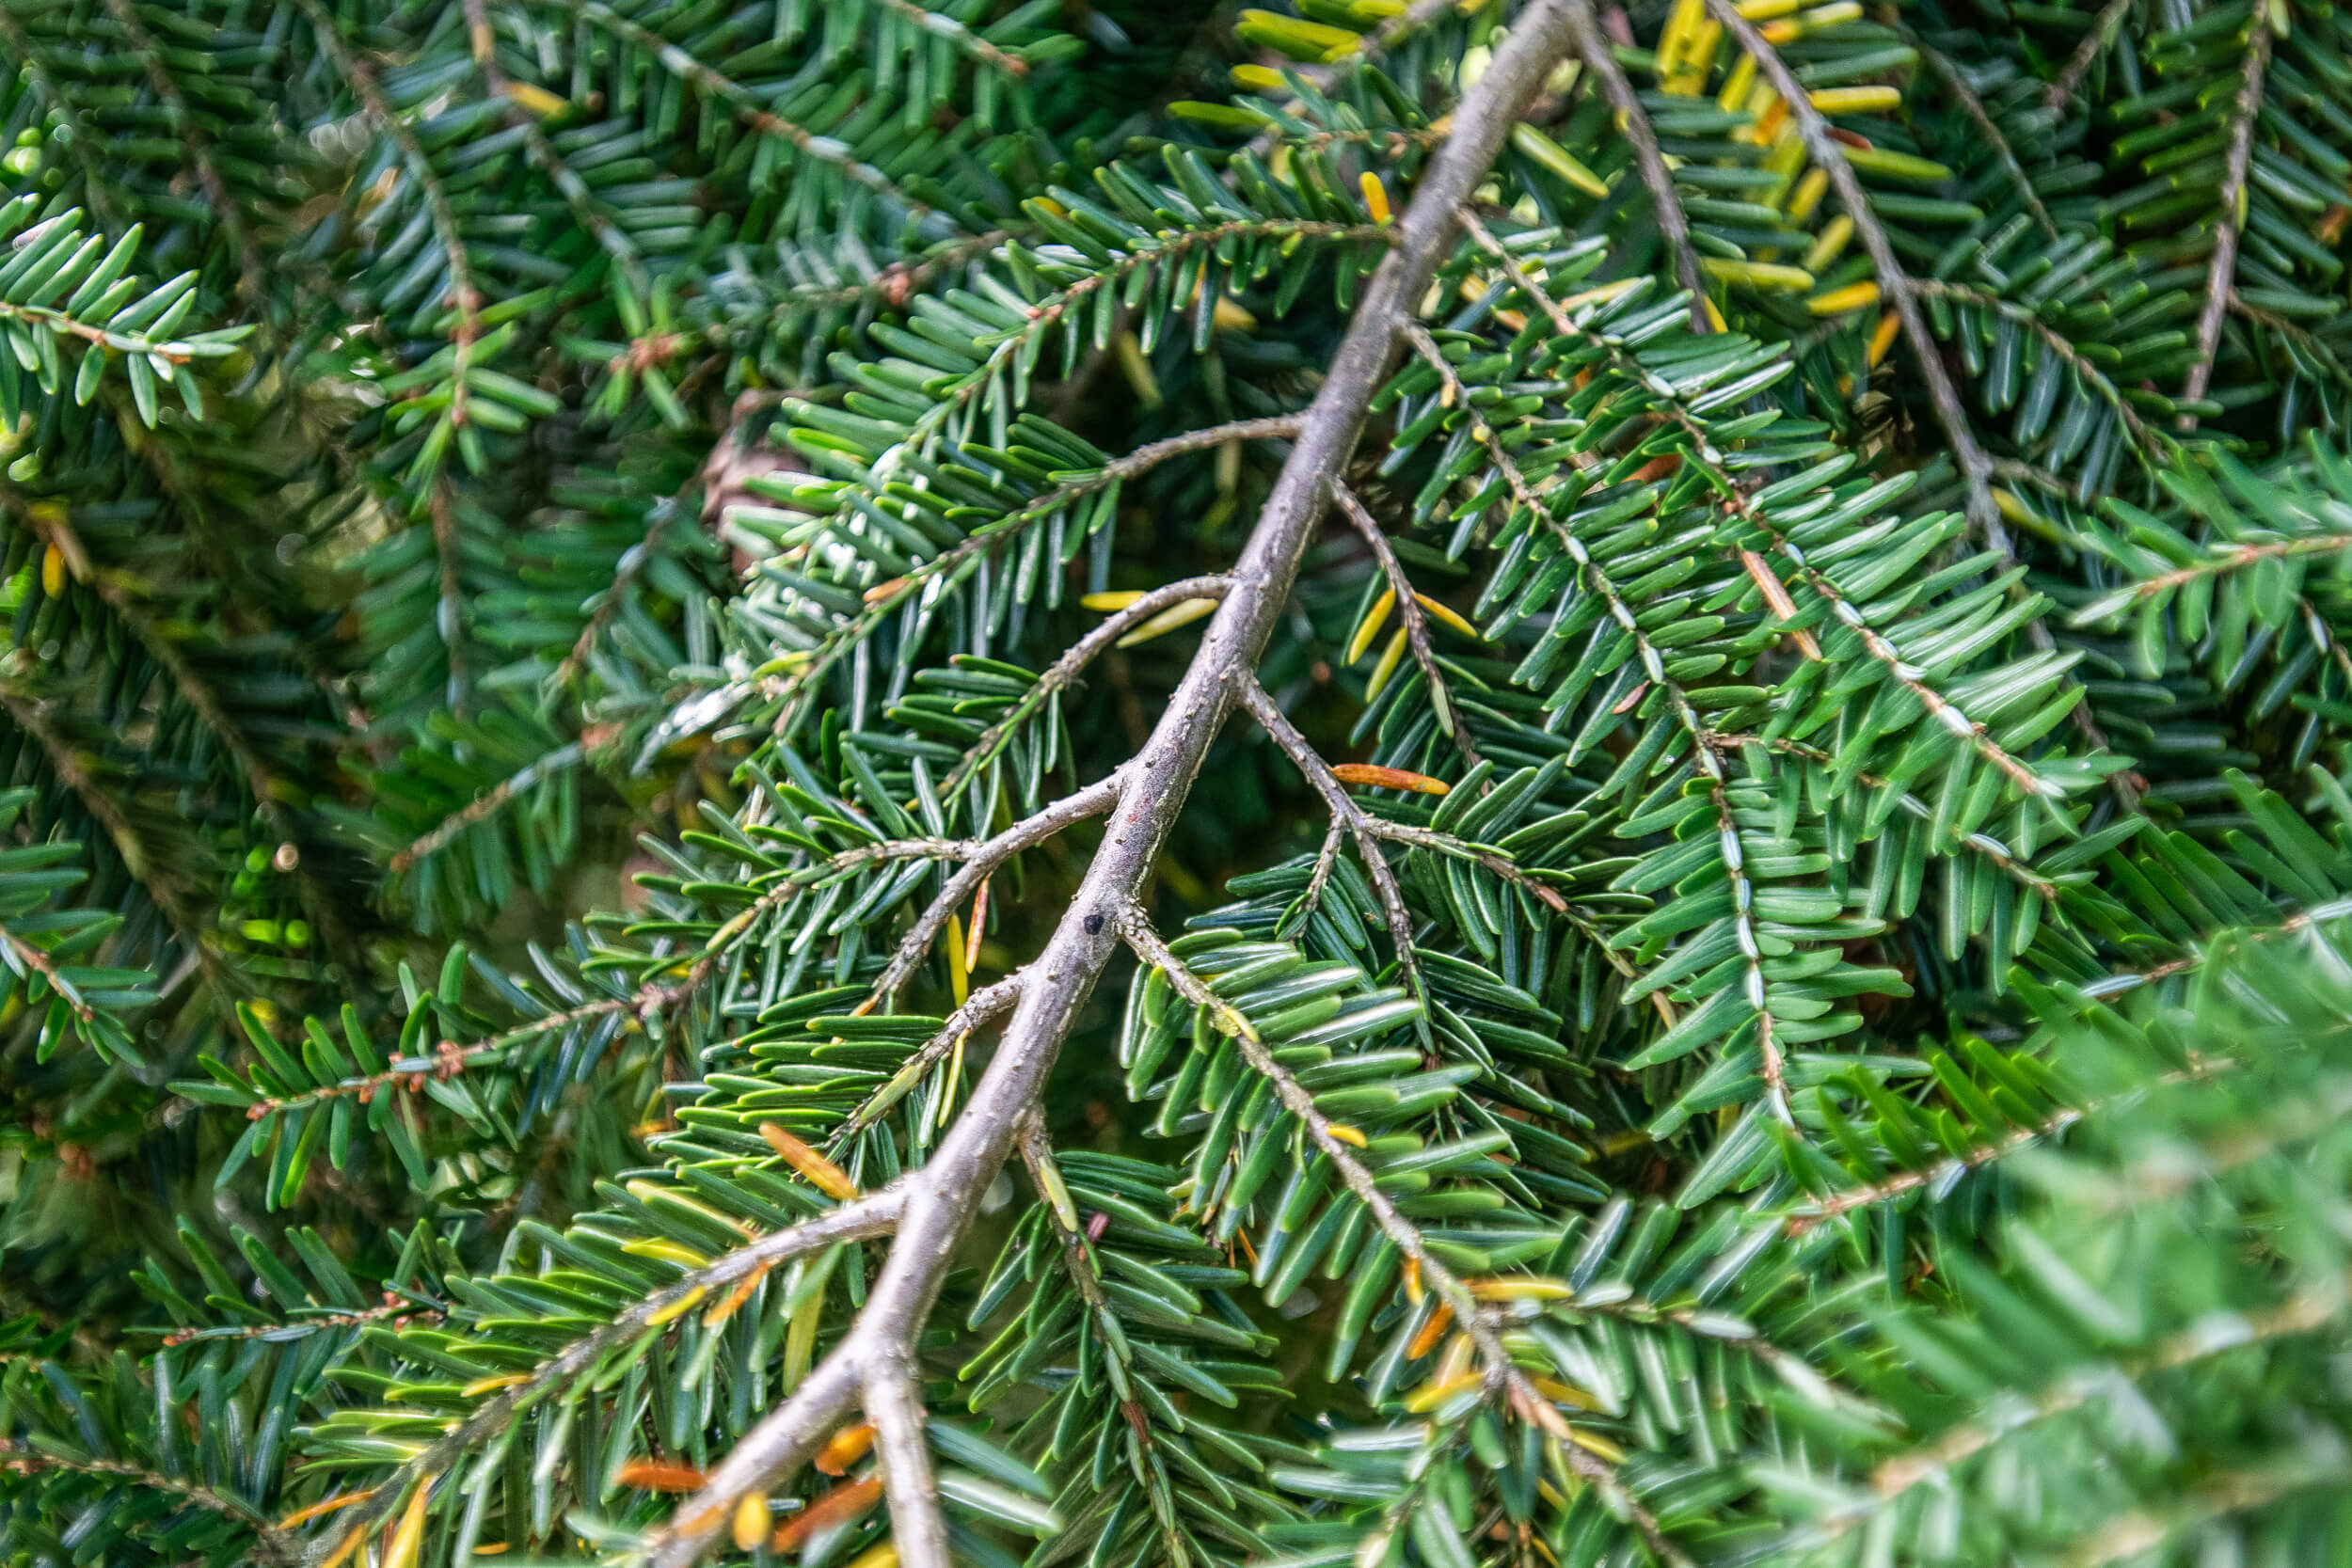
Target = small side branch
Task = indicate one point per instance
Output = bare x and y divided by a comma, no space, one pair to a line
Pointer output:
1064,672
2152,447
871,1214
1978,116
2061,94
1345,811
1976,468
1649,160
2221,272
981,1006
197,149
1408,608
984,859
1503,1380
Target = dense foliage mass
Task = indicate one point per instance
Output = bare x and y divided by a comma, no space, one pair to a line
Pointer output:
889,781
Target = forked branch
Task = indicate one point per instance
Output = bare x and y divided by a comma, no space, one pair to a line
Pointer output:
1144,798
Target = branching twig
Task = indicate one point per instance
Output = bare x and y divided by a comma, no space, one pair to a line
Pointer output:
977,1008
1064,672
1359,822
943,1195
983,860
862,1218
885,599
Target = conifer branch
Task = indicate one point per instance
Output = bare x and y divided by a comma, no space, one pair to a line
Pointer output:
1078,1263
862,1218
1504,1381
2222,270
1673,225
1973,107
197,146
2302,1312
2147,443
483,806
2301,336
745,104
1416,623
1733,496
54,528
982,860
1976,468
1151,790
1359,823
2061,95
271,1545
1064,672
82,144
173,900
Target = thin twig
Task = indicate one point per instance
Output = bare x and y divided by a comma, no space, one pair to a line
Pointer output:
747,105
1345,811
1078,1263
1416,623
272,1544
485,805
2299,1313
980,1007
2152,447
252,270
2300,336
1502,1378
1895,284
1647,159
1102,794
862,1218
1970,105
2221,272
1065,670
2061,93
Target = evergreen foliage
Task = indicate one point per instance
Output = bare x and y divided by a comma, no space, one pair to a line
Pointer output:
888,782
